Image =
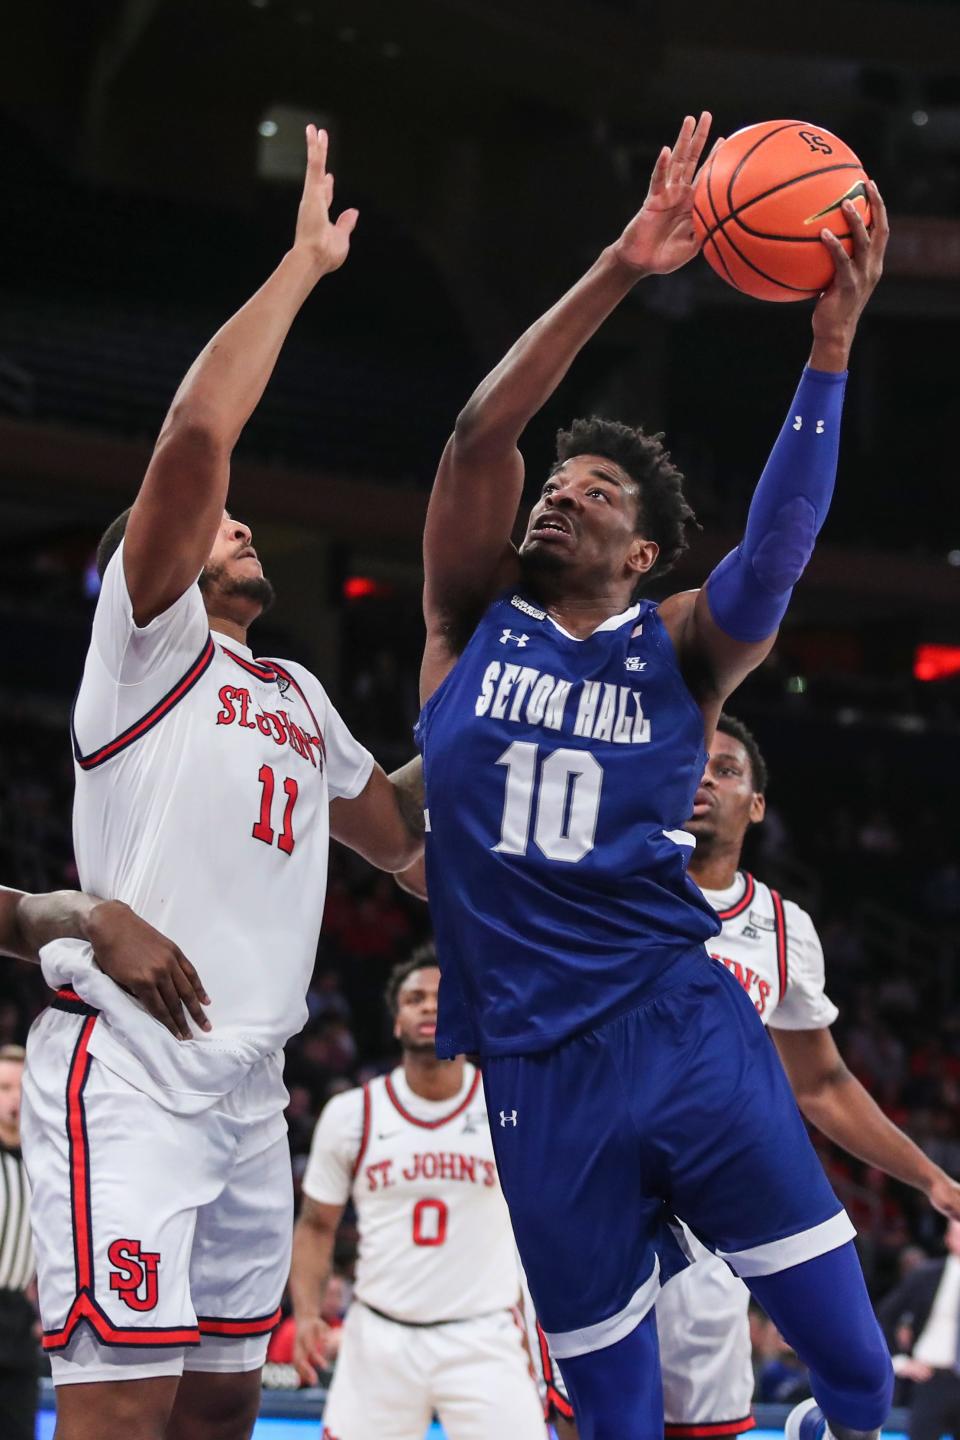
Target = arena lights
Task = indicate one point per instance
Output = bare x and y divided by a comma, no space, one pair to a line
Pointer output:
936,662
364,587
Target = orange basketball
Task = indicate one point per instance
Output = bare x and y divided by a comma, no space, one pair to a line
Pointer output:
762,200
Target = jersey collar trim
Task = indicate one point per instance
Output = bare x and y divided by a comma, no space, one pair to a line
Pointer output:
612,623
738,907
441,1119
262,669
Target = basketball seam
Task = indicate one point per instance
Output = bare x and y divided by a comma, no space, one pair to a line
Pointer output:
719,228
785,185
709,238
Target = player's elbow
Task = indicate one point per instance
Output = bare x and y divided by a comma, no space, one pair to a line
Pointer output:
196,431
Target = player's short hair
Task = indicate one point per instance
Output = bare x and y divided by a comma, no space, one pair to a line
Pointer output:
424,955
663,514
13,1052
730,725
110,541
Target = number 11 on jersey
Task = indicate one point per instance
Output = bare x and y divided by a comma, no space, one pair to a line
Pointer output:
263,830
568,801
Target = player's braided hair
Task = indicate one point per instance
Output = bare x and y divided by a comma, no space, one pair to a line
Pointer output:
730,725
425,954
663,514
110,541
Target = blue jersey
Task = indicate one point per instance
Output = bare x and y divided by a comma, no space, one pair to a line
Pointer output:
559,773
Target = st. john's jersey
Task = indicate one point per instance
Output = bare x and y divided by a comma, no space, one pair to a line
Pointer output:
559,774
203,784
771,946
435,1236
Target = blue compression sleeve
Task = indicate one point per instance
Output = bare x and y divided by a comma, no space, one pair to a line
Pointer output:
749,591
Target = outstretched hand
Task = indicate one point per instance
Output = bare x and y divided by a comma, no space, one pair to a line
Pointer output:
660,238
839,308
944,1195
326,240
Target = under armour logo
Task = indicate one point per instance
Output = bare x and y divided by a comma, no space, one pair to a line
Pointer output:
521,640
506,1119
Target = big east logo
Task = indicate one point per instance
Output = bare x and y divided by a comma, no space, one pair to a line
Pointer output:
134,1269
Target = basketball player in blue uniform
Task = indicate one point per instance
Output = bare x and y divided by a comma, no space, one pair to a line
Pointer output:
563,734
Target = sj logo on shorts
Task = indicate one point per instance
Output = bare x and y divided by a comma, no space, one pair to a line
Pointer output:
134,1269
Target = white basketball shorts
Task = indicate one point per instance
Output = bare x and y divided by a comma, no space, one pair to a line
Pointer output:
391,1378
162,1240
705,1350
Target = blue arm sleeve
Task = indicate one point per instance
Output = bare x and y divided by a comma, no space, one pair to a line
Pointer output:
749,591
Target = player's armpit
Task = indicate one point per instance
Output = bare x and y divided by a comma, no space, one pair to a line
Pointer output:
414,879
381,823
713,664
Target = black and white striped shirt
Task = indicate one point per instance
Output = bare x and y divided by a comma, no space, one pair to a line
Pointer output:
16,1249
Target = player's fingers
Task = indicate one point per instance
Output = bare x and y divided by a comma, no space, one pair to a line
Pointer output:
881,221
844,265
328,183
320,153
347,221
859,233
191,974
697,141
155,1004
189,997
710,154
171,999
658,179
681,150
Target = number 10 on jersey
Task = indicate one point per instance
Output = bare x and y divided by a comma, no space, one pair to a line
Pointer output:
568,801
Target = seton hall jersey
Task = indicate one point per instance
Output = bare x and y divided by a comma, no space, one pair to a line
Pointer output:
559,773
771,946
435,1236
203,783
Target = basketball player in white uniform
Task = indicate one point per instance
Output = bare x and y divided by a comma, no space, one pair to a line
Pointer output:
208,783
435,1324
772,948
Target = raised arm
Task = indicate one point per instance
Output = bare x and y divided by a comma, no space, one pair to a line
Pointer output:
725,630
467,550
175,517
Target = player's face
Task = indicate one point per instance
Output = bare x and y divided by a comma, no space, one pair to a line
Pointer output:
585,525
11,1077
233,573
726,803
416,1023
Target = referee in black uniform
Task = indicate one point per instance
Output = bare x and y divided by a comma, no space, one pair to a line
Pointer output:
18,1344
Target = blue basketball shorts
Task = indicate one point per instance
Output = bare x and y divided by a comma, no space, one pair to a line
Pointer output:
679,1108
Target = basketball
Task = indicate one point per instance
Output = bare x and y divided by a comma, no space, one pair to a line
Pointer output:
762,200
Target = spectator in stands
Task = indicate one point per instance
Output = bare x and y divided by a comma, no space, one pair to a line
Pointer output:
921,1319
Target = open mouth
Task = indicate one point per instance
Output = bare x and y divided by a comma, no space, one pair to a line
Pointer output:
550,525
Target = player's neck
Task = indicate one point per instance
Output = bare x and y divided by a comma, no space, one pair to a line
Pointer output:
225,626
430,1078
10,1136
715,866
581,615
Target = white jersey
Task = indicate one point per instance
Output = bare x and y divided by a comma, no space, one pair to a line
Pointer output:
435,1236
203,783
771,946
